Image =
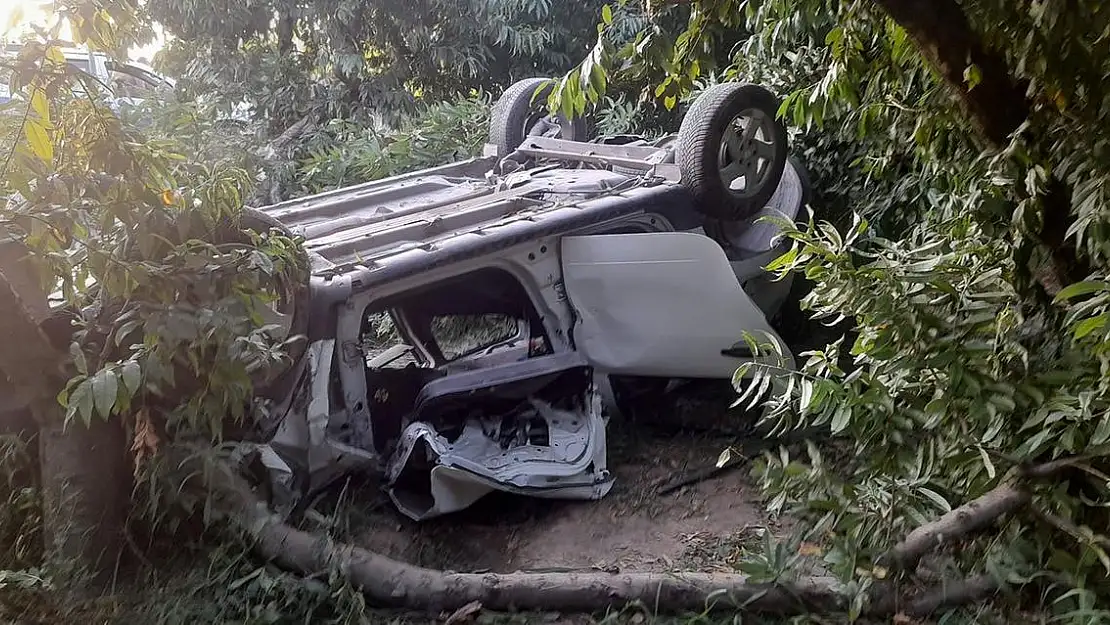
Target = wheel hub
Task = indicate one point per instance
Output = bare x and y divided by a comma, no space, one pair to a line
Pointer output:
746,152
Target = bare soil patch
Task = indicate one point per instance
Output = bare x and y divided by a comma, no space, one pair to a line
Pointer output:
698,526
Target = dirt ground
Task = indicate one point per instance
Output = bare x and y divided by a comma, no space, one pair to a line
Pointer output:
700,526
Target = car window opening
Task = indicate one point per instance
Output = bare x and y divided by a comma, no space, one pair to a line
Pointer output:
468,322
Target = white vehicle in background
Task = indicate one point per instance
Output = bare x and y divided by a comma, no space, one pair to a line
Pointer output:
130,83
127,84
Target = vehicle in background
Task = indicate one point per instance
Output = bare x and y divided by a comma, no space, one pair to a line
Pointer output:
127,83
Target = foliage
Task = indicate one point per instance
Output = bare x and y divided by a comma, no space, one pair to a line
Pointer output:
230,587
348,153
129,217
961,372
160,294
347,59
623,115
20,522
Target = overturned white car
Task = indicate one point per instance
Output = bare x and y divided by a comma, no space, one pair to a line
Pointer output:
471,327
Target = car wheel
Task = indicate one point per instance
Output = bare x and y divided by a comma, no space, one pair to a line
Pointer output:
731,150
522,111
290,311
725,231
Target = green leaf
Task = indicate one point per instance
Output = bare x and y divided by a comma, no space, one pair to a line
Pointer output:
132,376
1085,327
972,76
607,15
568,96
78,356
126,329
986,461
80,401
598,80
1033,445
105,385
55,55
935,497
1102,432
841,418
40,105
807,396
783,261
1081,288
39,140
995,427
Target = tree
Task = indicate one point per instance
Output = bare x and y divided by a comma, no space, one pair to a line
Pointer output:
353,59
974,393
158,336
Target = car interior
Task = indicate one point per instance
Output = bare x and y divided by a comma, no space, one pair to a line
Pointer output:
473,321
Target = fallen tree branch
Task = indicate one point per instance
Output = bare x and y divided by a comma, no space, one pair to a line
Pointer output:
966,519
700,475
973,516
1082,535
950,595
388,582
943,596
1055,467
748,450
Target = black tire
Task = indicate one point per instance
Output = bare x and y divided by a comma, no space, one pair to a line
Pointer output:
519,108
698,150
294,292
722,230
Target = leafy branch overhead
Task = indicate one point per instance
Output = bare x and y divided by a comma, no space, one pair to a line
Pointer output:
355,59
141,248
958,147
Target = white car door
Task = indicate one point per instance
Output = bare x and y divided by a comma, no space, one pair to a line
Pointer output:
661,304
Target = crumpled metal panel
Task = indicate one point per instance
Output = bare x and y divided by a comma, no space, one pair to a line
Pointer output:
430,475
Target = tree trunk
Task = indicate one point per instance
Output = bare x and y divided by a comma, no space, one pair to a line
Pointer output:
997,105
387,582
85,487
83,470
276,152
969,518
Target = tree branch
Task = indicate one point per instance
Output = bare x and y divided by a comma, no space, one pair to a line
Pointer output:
278,150
997,105
29,361
966,519
390,583
950,595
1064,525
